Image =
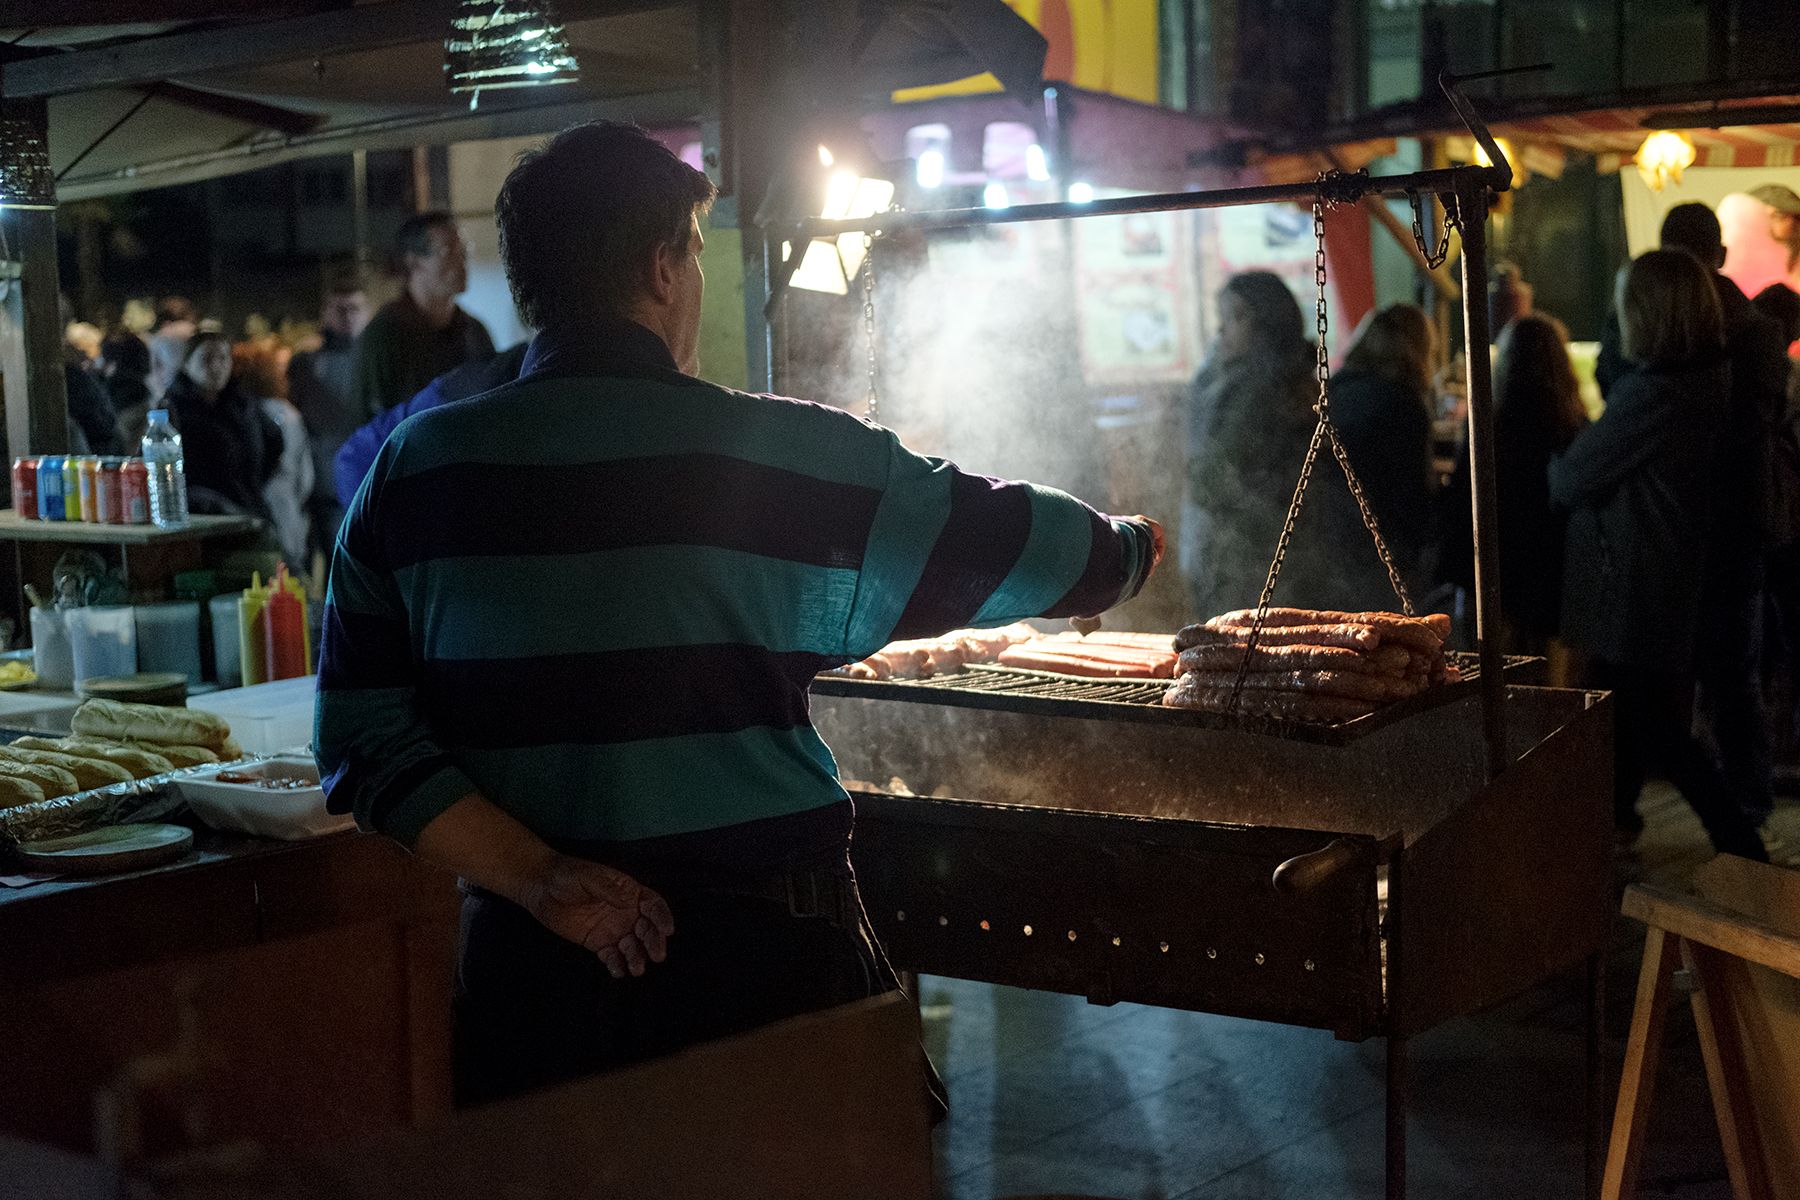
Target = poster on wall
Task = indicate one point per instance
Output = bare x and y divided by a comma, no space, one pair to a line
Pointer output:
1134,307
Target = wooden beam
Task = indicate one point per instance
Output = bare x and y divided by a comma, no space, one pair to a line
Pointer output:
1714,925
237,108
256,43
47,14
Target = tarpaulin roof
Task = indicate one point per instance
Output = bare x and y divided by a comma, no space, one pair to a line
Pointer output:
1620,131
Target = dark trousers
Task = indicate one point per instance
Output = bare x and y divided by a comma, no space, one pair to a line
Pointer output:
1653,731
532,1009
1731,698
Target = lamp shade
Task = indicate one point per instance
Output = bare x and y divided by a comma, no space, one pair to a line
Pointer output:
26,180
506,44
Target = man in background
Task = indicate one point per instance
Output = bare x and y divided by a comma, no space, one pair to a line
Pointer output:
421,333
321,385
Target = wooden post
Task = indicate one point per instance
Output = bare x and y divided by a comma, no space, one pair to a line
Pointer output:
1723,1052
1637,1084
31,363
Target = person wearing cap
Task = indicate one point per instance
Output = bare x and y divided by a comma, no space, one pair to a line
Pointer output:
1784,218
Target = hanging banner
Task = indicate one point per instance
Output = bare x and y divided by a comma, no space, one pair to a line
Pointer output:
1105,46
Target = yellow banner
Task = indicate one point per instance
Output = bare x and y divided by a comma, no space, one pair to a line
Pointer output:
1101,45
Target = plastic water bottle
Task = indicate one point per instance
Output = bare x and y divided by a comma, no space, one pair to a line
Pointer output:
168,478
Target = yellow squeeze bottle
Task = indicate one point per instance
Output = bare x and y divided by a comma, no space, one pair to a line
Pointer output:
250,633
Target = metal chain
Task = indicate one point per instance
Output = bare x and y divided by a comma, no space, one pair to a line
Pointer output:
1324,431
868,313
1433,258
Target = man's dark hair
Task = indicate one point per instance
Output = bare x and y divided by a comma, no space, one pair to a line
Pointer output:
1781,304
347,281
581,215
174,308
414,234
1695,228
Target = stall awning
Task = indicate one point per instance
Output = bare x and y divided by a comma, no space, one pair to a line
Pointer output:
1620,131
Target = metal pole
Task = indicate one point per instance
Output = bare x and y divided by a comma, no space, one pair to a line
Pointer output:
1447,179
1471,203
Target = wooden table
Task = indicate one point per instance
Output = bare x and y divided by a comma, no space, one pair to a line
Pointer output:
318,973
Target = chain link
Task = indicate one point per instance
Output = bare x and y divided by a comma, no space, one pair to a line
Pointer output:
868,314
1433,258
1324,431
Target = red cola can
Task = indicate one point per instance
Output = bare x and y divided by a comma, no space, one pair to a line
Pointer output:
24,487
109,492
134,491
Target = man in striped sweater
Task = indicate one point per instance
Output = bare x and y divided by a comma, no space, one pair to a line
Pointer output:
572,624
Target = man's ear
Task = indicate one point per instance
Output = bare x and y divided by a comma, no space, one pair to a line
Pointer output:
665,264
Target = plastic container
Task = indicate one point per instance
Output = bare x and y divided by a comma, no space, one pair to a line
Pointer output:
227,668
102,640
168,639
168,473
51,657
248,807
266,719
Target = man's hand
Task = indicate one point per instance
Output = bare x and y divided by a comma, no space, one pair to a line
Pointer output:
1156,538
626,924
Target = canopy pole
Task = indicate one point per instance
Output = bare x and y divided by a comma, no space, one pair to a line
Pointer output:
1472,204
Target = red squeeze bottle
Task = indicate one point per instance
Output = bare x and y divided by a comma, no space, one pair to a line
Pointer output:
284,631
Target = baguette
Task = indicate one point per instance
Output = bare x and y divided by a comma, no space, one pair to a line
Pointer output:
182,756
141,763
151,723
53,780
88,772
15,791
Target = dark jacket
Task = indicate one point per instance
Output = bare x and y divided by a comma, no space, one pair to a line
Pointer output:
1637,485
229,448
320,383
1758,397
1387,434
399,353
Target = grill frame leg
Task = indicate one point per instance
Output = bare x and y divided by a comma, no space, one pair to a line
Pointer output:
1399,1091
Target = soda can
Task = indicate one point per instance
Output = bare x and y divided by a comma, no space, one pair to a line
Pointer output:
134,492
71,488
109,493
50,488
89,474
24,488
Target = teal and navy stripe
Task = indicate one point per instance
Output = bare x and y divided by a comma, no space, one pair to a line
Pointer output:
598,596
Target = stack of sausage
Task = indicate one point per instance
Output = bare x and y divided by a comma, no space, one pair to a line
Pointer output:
1312,666
923,658
1100,655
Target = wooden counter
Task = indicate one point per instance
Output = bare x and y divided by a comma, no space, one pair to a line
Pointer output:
319,973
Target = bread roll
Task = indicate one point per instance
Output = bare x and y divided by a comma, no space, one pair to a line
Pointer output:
141,763
15,791
150,723
88,772
185,756
53,780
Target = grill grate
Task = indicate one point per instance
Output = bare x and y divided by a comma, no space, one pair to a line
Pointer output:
1009,688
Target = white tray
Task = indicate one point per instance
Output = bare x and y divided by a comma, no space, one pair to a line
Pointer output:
247,808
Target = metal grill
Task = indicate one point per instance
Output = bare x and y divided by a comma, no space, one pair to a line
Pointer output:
1140,700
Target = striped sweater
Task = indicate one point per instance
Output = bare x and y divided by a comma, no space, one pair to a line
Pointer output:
598,595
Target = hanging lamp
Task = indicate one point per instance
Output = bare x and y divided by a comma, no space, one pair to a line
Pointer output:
497,44
26,180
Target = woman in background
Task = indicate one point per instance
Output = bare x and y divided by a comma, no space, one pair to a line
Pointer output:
229,447
1249,417
1381,405
260,367
1637,488
1537,413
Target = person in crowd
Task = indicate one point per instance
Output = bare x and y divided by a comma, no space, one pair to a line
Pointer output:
260,367
1249,417
354,458
1381,404
1509,297
1537,413
321,386
1638,486
176,321
1784,218
421,333
664,859
125,368
1781,649
230,448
